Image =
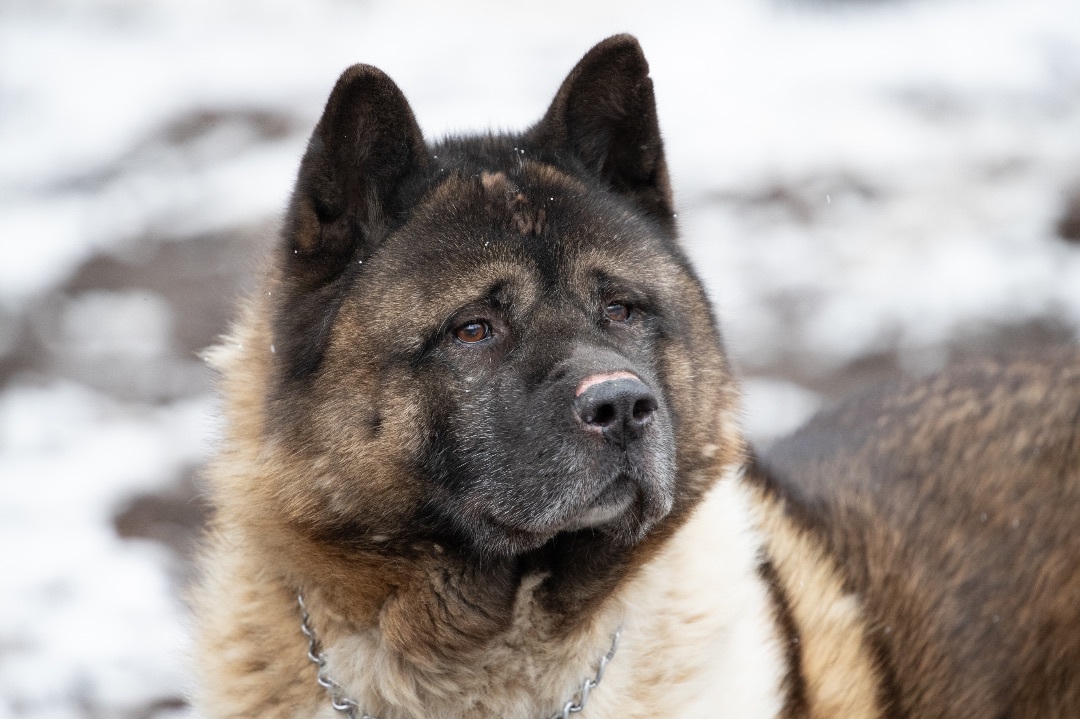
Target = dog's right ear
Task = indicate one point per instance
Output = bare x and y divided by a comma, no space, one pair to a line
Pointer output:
365,165
363,162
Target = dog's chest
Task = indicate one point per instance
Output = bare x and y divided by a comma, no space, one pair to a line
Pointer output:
702,640
697,640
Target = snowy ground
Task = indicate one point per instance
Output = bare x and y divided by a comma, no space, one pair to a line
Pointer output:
869,188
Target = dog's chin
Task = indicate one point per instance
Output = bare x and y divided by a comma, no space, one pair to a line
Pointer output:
623,513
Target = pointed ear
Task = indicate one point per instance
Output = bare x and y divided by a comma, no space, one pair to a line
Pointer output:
365,165
365,156
605,115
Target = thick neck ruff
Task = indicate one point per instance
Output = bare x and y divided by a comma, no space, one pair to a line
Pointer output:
341,702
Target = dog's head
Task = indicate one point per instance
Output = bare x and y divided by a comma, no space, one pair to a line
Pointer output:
493,341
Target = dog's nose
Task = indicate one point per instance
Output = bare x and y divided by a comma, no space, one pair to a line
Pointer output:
619,408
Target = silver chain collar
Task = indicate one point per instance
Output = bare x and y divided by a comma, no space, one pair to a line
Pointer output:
342,703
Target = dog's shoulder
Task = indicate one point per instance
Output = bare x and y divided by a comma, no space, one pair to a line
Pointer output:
950,505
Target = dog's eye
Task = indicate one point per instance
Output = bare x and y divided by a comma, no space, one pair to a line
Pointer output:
617,312
472,332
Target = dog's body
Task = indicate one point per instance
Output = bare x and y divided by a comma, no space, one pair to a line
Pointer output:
951,507
481,416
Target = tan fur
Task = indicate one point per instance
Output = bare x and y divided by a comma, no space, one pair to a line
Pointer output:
837,662
675,651
693,620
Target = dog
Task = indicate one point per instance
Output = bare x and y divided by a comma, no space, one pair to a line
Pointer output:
483,458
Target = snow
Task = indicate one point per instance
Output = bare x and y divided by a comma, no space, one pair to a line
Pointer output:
777,407
860,184
87,617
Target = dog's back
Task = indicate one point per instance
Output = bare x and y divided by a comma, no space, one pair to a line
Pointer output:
953,506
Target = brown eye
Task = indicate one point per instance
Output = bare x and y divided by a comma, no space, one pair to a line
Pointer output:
617,312
473,332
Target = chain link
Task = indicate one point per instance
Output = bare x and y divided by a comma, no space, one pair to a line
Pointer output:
342,703
338,699
577,704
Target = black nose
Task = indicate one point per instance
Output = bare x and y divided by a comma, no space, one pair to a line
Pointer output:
619,409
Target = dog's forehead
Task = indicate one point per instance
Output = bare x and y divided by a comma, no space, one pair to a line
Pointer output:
515,201
538,216
529,233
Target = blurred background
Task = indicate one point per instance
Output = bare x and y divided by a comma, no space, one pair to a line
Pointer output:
869,188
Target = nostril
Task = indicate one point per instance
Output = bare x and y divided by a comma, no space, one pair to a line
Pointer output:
644,408
603,415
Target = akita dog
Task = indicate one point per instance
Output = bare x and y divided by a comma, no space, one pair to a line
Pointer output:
483,459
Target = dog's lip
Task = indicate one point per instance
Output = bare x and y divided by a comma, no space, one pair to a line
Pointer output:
608,505
521,534
613,499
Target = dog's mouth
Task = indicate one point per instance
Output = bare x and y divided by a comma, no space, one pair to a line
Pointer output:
610,504
624,509
536,488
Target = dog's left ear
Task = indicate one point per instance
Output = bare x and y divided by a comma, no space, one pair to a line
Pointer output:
605,115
